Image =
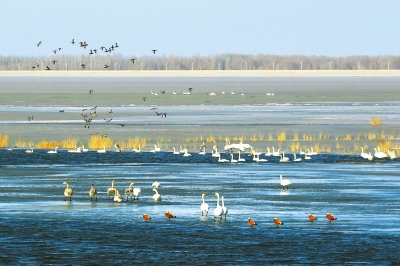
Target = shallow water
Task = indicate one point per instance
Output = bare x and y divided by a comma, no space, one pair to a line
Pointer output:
38,227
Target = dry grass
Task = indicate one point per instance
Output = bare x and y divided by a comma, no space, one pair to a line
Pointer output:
3,141
375,121
99,142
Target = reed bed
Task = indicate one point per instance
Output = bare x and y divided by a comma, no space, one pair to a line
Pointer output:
99,142
3,141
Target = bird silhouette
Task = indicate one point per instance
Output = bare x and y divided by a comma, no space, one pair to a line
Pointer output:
154,51
59,49
116,45
91,52
30,117
163,115
90,92
54,62
83,65
105,66
39,43
73,41
102,48
33,67
190,89
37,64
95,51
54,51
122,125
48,68
133,60
162,91
144,98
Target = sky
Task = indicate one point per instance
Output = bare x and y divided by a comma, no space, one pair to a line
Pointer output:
202,27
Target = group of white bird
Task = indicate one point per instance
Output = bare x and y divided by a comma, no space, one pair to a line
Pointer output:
219,210
378,154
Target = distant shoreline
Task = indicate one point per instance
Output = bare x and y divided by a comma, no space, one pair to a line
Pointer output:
202,73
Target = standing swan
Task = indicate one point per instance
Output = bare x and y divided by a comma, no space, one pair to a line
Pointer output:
68,192
156,197
102,151
218,209
285,182
93,193
224,209
233,160
136,193
110,191
204,206
117,196
129,191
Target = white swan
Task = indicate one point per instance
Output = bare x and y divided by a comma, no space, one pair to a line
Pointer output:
218,210
181,150
284,159
364,154
222,160
233,160
136,193
222,92
276,153
268,153
212,94
204,206
156,149
256,158
296,159
53,151
129,191
29,151
83,149
173,92
137,150
156,196
155,184
313,152
285,182
370,157
301,152
379,154
307,157
224,208
68,192
175,152
76,150
215,153
92,192
102,151
240,159
186,154
203,151
392,154
110,191
117,196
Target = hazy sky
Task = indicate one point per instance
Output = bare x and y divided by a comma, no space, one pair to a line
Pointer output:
204,27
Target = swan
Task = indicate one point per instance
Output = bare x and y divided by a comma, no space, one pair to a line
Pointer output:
175,152
92,192
156,196
301,152
296,159
186,154
29,151
75,150
364,154
68,192
215,153
53,151
156,149
173,92
283,159
256,158
137,150
313,152
212,94
156,184
392,154
251,222
111,189
285,182
222,160
146,217
136,193
218,210
307,157
330,217
268,153
240,159
181,150
308,152
277,222
222,92
370,157
204,206
203,151
312,217
102,151
117,196
169,215
83,149
233,160
276,153
379,154
117,147
129,191
224,209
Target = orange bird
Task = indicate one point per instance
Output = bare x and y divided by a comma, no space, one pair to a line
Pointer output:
146,217
312,217
330,217
277,222
251,222
169,215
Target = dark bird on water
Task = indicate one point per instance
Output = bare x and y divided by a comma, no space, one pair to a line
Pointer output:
154,108
30,118
162,91
61,111
111,111
39,43
90,92
162,114
154,51
122,125
48,68
190,89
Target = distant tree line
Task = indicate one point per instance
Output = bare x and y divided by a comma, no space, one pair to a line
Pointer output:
197,62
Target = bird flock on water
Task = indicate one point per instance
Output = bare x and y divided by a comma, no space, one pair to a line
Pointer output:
133,193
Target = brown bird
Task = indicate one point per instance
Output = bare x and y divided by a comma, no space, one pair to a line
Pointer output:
146,217
330,217
169,215
312,217
93,192
277,222
251,222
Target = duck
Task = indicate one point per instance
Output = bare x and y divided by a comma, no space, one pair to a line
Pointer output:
129,191
68,191
277,222
156,196
204,206
146,217
136,193
285,182
330,217
92,193
251,222
312,217
218,210
169,215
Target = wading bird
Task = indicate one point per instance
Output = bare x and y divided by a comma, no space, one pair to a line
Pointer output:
93,192
330,217
251,222
285,182
169,215
204,206
312,217
68,192
277,222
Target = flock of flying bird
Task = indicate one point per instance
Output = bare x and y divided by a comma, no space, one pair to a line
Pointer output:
219,211
92,51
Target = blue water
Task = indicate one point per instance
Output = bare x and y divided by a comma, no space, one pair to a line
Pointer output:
38,227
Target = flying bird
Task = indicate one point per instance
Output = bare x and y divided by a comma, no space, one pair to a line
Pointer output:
90,92
91,52
54,62
39,43
83,66
133,60
48,68
105,66
190,89
54,51
59,49
30,117
144,98
154,51
73,41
